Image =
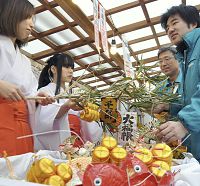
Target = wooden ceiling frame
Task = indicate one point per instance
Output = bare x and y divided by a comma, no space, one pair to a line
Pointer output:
45,40
121,8
81,42
76,14
90,29
72,24
86,23
62,19
149,21
106,78
78,33
93,64
145,61
112,25
56,13
42,8
125,29
99,73
117,33
138,40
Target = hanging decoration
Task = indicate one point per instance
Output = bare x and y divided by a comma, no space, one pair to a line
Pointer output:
96,23
104,38
128,68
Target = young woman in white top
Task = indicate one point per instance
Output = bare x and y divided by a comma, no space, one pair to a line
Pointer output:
64,114
16,78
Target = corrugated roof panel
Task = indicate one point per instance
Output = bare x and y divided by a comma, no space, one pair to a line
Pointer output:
35,47
46,21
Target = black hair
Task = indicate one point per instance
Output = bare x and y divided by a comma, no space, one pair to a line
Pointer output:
58,60
12,12
188,13
168,48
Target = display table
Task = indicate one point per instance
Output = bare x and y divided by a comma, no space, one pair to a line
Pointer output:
188,170
10,182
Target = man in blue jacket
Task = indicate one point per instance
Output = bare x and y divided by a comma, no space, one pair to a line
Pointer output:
170,67
182,27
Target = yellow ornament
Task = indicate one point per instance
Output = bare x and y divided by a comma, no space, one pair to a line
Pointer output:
64,171
44,168
54,180
144,155
159,168
109,142
161,151
100,154
117,155
89,115
92,106
30,176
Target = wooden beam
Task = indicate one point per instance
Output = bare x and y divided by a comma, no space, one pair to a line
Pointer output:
80,42
99,73
61,48
151,48
45,40
77,15
52,5
42,8
145,38
98,86
77,32
134,26
148,60
149,21
93,64
105,78
48,32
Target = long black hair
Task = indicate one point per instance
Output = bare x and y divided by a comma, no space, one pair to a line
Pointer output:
58,60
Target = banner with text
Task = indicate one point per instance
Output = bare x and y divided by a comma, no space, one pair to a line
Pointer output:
128,68
96,23
104,38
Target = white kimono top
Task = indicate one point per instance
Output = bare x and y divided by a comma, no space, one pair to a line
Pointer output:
45,121
15,68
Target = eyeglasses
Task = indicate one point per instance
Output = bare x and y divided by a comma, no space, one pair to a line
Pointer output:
166,59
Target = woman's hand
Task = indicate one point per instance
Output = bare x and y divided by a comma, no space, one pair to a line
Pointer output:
73,104
46,99
69,104
10,91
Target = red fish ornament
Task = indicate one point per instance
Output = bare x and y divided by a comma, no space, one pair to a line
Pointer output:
103,175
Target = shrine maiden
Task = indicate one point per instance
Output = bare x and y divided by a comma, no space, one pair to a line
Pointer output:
64,114
16,78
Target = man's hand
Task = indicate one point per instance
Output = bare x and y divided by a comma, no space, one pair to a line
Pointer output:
46,100
160,108
10,91
171,131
